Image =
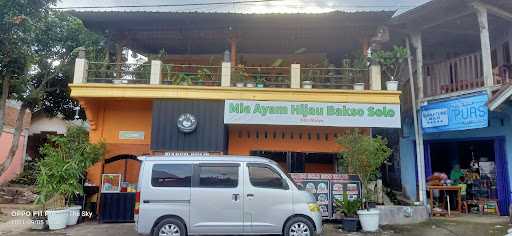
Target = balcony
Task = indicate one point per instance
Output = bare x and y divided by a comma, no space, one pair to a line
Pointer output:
460,74
153,80
240,76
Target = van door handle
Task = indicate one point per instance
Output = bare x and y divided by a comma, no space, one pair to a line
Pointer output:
250,195
235,197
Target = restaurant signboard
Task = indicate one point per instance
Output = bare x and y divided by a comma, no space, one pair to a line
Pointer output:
312,114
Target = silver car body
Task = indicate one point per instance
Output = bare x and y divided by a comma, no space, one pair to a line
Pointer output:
243,210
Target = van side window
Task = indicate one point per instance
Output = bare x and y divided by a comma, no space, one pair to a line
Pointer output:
265,177
171,175
218,176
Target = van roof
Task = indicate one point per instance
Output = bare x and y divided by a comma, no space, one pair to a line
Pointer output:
205,158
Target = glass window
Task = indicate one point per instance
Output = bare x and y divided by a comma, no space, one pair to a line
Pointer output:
218,176
171,175
265,177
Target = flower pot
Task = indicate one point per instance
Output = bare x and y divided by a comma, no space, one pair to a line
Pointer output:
358,86
372,205
369,219
250,85
73,214
260,85
38,223
392,85
307,84
239,84
350,224
57,219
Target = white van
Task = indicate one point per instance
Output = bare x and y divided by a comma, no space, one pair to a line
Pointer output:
221,195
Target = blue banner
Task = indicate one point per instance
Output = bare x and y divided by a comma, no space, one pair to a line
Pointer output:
469,112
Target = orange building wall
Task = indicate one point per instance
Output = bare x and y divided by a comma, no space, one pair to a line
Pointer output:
243,140
106,119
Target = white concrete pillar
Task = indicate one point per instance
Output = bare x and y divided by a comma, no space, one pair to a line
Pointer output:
417,43
295,76
375,77
225,80
80,75
485,44
156,72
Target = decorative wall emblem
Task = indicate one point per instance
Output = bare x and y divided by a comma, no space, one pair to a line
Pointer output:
187,123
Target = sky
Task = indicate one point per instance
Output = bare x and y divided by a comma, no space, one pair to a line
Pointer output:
278,6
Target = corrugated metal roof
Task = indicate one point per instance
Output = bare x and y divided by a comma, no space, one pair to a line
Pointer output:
194,33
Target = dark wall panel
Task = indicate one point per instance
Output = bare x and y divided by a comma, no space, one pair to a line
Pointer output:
210,134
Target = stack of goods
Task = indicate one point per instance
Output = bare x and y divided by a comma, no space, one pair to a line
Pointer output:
437,179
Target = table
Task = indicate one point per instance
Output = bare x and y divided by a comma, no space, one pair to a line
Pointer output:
446,188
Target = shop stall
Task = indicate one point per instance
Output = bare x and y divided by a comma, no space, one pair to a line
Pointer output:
118,187
469,166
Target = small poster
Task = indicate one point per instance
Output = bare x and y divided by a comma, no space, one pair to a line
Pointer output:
110,183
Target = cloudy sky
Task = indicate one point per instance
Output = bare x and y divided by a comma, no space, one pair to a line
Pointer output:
277,6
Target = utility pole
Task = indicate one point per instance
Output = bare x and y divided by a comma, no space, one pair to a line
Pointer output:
420,161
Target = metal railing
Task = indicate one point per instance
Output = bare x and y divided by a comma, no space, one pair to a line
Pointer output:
118,73
192,75
261,76
334,78
156,73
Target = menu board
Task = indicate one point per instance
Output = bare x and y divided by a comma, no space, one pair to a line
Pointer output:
327,187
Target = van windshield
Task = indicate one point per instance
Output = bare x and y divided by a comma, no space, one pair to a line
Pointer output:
299,187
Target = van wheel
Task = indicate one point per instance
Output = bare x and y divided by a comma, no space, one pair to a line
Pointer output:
299,226
169,227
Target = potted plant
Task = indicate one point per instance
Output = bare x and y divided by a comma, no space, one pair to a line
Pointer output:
363,155
260,80
391,62
60,174
239,76
307,77
182,78
349,209
38,219
205,76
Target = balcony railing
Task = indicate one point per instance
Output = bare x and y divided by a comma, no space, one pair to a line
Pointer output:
118,73
459,74
334,78
225,75
195,75
272,76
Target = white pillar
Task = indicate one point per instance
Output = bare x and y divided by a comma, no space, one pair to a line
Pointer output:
156,72
80,75
375,77
226,75
295,76
485,44
417,43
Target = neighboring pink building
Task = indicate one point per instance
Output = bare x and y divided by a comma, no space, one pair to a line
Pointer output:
6,141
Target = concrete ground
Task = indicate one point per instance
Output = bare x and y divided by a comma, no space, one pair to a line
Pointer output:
434,227
12,224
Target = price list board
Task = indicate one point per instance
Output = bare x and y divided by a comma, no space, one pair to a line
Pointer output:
327,187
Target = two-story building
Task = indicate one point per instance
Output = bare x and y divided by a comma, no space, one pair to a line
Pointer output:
283,86
462,68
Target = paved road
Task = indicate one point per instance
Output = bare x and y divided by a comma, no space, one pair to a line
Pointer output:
430,228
